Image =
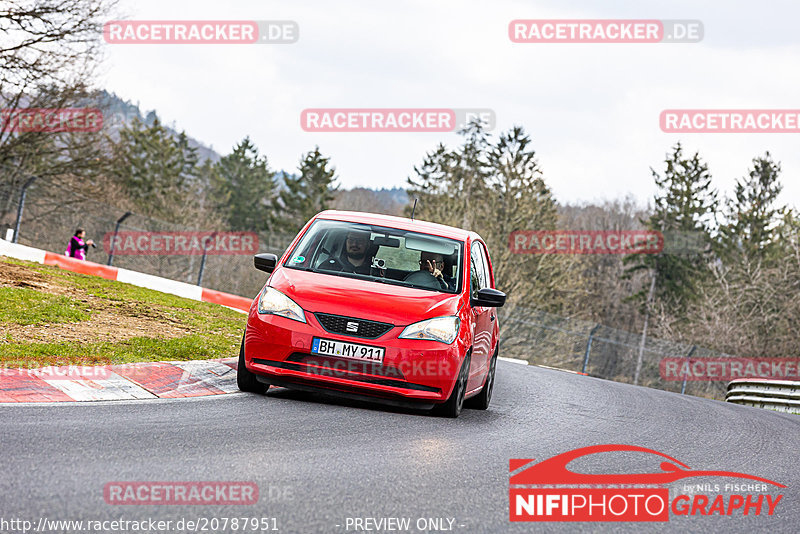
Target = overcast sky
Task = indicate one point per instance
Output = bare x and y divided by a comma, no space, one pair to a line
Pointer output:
591,109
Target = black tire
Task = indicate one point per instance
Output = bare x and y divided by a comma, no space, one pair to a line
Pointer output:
246,380
482,399
453,405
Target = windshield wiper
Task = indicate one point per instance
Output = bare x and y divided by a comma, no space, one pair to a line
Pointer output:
391,281
337,273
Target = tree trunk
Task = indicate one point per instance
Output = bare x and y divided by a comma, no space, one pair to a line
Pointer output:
644,330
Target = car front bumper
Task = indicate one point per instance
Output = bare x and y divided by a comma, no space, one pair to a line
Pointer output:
278,350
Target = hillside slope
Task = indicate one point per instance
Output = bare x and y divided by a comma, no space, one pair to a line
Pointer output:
49,316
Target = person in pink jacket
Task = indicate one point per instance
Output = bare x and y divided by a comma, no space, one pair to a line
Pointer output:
77,247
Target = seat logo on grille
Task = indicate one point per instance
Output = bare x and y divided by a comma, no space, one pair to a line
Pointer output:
352,326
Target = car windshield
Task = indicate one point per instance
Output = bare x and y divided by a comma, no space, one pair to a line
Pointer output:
380,254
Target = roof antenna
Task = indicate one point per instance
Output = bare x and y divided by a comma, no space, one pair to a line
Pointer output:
414,208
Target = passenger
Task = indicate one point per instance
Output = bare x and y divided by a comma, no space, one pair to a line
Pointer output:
434,263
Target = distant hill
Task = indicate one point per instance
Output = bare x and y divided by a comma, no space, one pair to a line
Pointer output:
386,201
118,112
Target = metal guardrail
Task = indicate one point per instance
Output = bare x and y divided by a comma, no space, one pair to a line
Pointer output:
778,395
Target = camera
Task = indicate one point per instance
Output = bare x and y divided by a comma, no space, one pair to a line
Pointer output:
379,263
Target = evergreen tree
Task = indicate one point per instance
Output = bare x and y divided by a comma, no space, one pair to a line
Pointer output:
306,194
157,169
243,188
429,193
495,188
685,203
516,197
752,217
449,181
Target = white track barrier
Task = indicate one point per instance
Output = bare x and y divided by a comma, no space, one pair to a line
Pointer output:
777,395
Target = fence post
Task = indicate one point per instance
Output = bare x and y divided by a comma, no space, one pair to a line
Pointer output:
203,261
644,329
21,207
114,238
691,351
589,348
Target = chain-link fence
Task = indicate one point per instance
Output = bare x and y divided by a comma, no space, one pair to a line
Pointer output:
52,213
601,351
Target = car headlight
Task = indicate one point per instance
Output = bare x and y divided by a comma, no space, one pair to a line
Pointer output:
274,302
443,329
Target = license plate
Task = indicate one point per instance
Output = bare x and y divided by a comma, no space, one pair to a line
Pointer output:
354,351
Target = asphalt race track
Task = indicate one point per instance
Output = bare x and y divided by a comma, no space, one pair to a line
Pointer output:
319,461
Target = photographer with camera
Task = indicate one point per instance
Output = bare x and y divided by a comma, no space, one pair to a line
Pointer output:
77,248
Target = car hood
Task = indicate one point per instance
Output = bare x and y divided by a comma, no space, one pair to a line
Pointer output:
351,297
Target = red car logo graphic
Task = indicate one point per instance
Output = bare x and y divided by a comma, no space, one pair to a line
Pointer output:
549,491
554,470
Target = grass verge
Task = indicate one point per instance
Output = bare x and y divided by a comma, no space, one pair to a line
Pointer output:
49,316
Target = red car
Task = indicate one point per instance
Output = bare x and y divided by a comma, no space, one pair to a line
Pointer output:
376,307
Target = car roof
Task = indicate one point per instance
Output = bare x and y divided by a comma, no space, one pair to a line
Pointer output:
401,223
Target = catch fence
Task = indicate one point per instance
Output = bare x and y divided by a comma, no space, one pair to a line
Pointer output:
52,213
604,352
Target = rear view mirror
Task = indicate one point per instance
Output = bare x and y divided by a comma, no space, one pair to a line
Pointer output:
265,262
434,246
386,241
489,298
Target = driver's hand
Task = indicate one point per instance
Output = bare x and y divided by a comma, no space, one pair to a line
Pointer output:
433,270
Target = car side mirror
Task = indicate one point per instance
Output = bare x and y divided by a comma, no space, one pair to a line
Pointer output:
489,298
265,262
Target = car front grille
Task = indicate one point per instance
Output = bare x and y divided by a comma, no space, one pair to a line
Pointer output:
316,369
350,326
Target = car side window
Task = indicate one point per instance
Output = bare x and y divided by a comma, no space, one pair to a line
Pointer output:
476,272
487,279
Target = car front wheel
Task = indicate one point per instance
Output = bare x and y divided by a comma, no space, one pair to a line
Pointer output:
452,407
246,380
482,399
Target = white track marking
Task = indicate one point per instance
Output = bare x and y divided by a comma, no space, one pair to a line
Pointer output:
114,387
209,373
513,360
